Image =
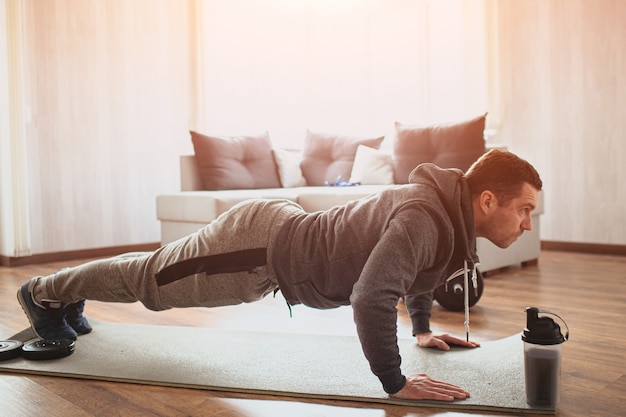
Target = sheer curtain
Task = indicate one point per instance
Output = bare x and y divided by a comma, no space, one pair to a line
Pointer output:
341,66
14,206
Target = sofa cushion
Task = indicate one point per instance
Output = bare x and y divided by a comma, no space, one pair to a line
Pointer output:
202,207
234,163
328,156
453,145
288,164
371,166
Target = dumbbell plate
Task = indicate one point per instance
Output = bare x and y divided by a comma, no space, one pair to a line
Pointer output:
48,349
453,300
10,349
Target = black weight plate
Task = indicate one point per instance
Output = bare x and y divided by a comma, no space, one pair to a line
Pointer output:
10,349
48,349
456,301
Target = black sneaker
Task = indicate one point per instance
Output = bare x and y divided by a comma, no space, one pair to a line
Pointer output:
46,319
75,318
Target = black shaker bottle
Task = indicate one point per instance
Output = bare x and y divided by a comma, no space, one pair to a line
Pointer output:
542,357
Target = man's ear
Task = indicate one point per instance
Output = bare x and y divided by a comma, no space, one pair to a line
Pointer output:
488,201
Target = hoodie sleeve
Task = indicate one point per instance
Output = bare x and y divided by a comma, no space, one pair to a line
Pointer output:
408,246
419,308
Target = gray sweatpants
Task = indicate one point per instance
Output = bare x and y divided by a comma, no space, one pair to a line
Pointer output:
132,277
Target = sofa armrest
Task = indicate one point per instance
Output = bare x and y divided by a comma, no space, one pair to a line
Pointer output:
190,179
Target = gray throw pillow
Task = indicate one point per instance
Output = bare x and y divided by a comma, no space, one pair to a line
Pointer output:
328,156
452,145
235,162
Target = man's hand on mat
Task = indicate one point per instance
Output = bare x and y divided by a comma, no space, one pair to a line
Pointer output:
423,387
442,341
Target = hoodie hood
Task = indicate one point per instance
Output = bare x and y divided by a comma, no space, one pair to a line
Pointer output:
454,192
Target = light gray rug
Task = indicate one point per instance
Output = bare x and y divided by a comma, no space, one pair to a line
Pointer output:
309,366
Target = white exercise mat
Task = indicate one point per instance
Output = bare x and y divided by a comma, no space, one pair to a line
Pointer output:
312,366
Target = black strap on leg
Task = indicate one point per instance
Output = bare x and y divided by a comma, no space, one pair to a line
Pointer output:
223,263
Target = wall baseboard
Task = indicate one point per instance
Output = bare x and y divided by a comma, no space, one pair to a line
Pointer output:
592,248
10,261
41,258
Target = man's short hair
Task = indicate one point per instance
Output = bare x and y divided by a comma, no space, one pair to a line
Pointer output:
503,173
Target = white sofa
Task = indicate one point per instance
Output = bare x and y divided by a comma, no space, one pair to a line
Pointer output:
186,211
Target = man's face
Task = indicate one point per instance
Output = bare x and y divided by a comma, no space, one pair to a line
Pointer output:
507,223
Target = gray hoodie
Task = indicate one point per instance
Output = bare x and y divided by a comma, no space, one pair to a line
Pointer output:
368,253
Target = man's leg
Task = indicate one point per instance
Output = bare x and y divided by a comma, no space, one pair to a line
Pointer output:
132,277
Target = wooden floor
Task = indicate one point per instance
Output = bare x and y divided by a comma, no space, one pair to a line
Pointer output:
588,291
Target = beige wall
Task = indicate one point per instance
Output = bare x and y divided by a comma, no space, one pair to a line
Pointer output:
347,66
562,95
107,105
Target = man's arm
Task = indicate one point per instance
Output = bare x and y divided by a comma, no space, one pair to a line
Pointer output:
389,272
419,308
392,267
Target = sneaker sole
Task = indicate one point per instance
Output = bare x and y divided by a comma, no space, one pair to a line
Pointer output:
22,302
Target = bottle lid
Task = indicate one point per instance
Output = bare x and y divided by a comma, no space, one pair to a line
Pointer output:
541,330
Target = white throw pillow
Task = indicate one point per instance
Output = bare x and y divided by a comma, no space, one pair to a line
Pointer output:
289,171
371,166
